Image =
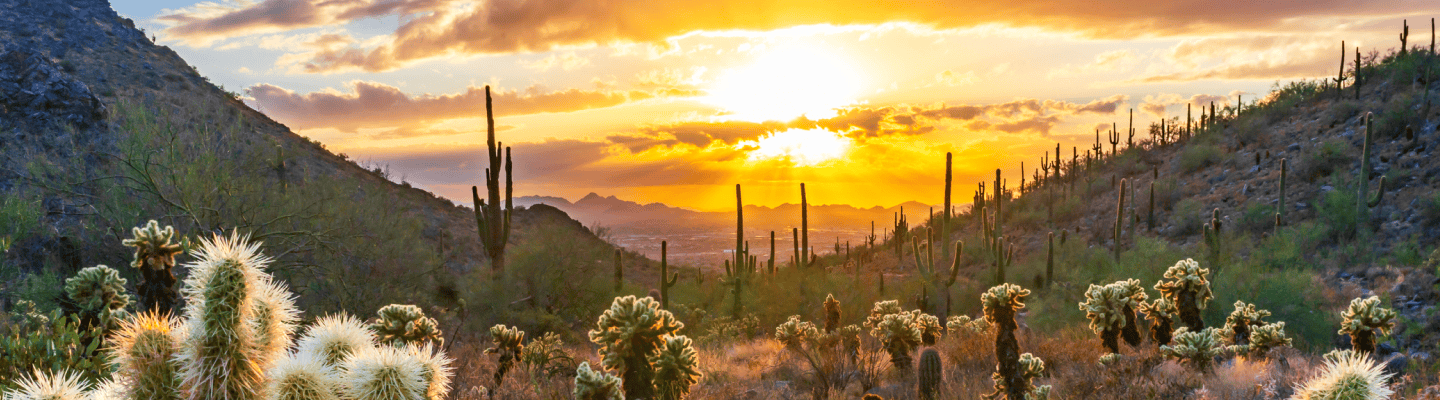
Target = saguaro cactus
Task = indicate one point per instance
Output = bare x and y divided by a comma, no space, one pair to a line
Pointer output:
1340,76
1363,202
1050,259
492,220
1281,206
937,278
667,279
1404,35
1119,218
804,229
619,271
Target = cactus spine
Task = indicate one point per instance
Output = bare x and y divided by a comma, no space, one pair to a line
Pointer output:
667,279
493,221
930,375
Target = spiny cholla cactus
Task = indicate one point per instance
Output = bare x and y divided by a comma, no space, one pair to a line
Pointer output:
1030,367
1239,323
1000,304
1039,393
1162,312
302,376
849,336
628,332
544,354
155,251
1130,331
832,313
60,385
509,343
957,324
99,292
383,373
1196,349
880,310
1363,319
274,323
900,334
434,369
1104,306
596,385
929,327
218,358
109,389
1262,339
1347,375
401,324
142,352
677,367
1186,286
334,338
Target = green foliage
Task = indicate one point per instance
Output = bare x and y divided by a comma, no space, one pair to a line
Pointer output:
596,385
1257,218
1195,349
1186,217
1197,156
19,218
1289,247
49,343
402,324
676,366
99,292
1321,161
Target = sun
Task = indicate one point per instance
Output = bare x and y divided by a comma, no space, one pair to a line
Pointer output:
803,147
788,82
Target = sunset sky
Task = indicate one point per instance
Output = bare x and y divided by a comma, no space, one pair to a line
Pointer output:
676,101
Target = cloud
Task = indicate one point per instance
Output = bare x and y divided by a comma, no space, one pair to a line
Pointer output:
1110,61
377,105
436,28
568,62
952,79
1158,104
1250,58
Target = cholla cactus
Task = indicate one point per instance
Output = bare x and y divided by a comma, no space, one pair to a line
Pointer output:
434,369
929,327
1162,312
142,352
1363,319
1104,306
900,334
99,292
334,338
677,367
1239,323
509,343
596,385
1196,349
628,332
1030,367
60,385
1130,331
302,376
219,358
832,313
401,324
794,332
1001,303
1262,339
274,323
1039,393
850,339
880,310
155,251
545,355
109,389
1347,375
1187,287
383,373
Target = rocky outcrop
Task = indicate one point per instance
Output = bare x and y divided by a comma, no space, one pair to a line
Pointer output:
34,92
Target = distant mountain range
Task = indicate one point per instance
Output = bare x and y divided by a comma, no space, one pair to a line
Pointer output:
614,212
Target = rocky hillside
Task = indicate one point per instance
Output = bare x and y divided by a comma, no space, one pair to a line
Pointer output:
101,130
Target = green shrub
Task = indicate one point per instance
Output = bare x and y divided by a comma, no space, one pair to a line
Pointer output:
1197,156
1257,218
1337,210
1321,161
1187,218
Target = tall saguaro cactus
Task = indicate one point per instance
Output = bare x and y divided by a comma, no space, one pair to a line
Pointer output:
804,229
945,228
667,280
493,221
1363,202
1340,77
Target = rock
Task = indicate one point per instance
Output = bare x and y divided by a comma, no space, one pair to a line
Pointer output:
32,86
1293,147
1395,366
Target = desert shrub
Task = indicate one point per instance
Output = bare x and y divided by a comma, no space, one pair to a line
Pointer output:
1257,218
1395,117
1289,246
49,343
1187,218
1197,156
1321,161
1337,210
1343,110
1167,193
1430,210
19,217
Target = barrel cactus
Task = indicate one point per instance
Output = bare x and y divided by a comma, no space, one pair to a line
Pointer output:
1186,285
401,324
142,352
509,343
1363,319
219,357
383,373
627,333
1347,375
596,385
302,376
1162,312
930,375
334,338
1195,349
57,385
155,251
99,293
677,367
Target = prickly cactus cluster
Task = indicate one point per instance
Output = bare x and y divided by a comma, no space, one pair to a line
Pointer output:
509,344
596,384
1195,349
1347,375
402,324
1185,284
627,334
1363,319
99,293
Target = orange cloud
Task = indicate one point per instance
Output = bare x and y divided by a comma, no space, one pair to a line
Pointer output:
377,105
434,28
